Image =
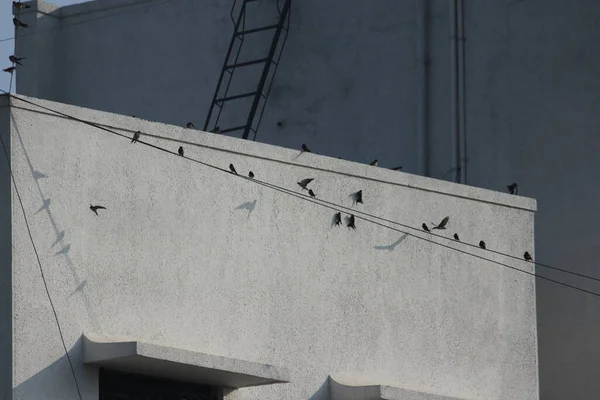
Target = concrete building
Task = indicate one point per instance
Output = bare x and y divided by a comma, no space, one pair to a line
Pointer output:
483,92
239,290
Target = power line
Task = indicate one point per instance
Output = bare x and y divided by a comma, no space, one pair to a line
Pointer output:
40,266
330,205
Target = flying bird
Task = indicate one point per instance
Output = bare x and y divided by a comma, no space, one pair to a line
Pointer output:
397,168
358,197
374,163
312,194
482,244
251,175
190,125
216,130
527,256
96,208
337,219
304,182
456,237
17,23
232,169
442,224
513,189
136,137
351,222
20,6
10,70
16,59
425,228
180,151
305,148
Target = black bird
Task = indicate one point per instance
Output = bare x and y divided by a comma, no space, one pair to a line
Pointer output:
304,182
20,6
251,175
351,222
305,148
425,228
374,163
456,237
10,70
17,23
397,168
513,189
190,125
16,59
279,124
136,137
527,256
180,151
358,197
96,208
312,194
216,130
337,219
442,224
232,169
482,244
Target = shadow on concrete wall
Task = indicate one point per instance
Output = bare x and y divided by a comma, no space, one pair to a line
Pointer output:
322,393
392,246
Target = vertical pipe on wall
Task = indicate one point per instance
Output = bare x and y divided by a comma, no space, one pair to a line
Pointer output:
453,93
422,63
462,127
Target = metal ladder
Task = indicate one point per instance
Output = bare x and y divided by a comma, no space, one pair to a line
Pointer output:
232,63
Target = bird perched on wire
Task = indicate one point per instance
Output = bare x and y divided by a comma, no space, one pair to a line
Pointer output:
425,228
190,125
305,148
10,70
374,163
312,194
482,244
17,22
442,224
232,169
16,59
527,256
351,222
358,197
216,130
251,175
456,237
513,188
337,219
96,208
180,151
20,6
136,137
304,182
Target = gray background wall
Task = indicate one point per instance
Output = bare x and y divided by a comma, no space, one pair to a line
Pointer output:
346,86
191,257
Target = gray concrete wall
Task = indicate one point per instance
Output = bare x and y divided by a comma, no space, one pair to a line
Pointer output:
192,257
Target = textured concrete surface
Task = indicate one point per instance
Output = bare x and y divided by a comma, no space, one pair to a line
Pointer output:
196,258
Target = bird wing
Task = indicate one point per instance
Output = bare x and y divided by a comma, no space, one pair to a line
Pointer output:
444,221
100,208
306,181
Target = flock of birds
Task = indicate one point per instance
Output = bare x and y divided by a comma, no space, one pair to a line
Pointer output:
18,24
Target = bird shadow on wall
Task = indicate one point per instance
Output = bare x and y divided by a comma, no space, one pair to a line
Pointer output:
249,206
392,246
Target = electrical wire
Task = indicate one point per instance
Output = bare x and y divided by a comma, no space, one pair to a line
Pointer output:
324,203
40,267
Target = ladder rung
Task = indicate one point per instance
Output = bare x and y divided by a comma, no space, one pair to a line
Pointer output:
237,128
243,64
239,96
264,28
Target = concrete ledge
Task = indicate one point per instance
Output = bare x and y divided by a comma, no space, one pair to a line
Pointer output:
131,355
345,388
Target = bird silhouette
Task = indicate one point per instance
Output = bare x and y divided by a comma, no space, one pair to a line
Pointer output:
10,70
312,194
232,169
180,151
397,168
513,188
16,59
251,175
337,219
20,6
358,197
374,163
216,130
442,224
305,148
527,256
136,137
17,23
425,228
304,182
190,125
482,244
456,237
351,222
96,208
